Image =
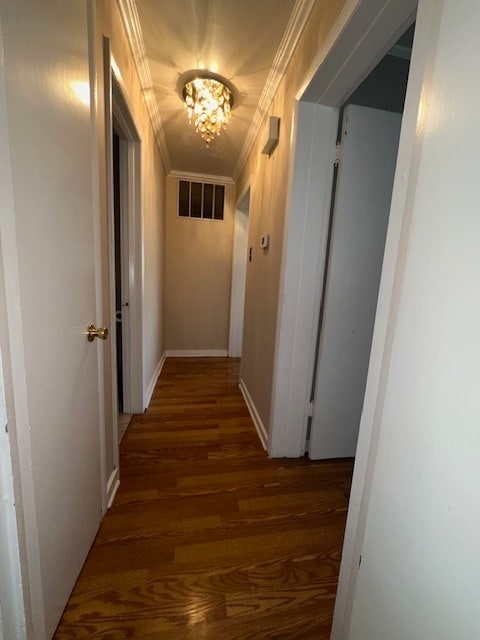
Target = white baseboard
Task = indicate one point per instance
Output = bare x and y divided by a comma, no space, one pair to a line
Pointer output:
153,381
259,426
197,353
112,487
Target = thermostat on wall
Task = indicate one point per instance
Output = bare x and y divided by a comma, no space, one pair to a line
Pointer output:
265,241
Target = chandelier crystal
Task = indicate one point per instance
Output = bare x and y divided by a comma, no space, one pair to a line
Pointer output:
208,102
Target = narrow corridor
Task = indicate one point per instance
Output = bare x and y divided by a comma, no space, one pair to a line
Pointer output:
207,537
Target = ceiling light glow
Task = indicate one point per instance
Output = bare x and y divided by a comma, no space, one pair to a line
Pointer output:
208,102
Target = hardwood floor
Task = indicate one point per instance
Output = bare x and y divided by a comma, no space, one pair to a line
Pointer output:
208,538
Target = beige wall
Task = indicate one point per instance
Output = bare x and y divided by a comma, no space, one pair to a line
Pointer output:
268,179
109,24
198,272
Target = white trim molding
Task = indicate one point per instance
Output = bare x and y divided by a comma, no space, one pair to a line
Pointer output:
306,227
201,177
112,486
197,353
131,23
385,321
257,421
298,19
362,35
153,381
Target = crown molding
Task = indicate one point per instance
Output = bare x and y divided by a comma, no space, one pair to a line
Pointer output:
201,177
131,23
294,30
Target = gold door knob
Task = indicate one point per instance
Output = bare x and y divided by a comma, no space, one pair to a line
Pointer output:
92,333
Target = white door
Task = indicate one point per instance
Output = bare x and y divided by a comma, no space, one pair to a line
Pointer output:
49,245
366,170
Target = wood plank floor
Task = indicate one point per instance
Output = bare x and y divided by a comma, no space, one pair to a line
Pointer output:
208,538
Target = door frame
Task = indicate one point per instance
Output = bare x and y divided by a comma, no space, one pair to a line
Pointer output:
374,26
118,113
387,305
335,82
239,259
362,35
131,248
305,246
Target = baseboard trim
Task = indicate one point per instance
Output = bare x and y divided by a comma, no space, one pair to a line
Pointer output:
197,353
257,421
153,381
112,487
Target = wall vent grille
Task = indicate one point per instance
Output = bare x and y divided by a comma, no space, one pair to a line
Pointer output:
200,200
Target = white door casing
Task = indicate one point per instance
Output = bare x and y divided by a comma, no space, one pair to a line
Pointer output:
366,169
364,31
119,113
239,272
359,39
305,242
51,270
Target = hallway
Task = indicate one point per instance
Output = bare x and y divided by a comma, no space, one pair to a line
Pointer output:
207,537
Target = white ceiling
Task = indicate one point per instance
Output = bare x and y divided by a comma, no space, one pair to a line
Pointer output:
249,42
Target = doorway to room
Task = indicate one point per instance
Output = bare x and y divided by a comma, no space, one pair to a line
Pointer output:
367,147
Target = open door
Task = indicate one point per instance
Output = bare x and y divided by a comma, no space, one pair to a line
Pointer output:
50,249
367,159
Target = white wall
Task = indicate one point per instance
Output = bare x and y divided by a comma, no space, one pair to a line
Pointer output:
420,565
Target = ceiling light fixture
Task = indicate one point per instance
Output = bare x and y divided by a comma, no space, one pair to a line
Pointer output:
208,101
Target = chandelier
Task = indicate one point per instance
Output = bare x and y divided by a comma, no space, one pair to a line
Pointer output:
208,102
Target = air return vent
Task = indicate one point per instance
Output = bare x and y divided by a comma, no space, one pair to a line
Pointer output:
200,200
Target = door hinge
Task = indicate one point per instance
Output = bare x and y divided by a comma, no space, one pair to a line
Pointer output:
311,406
338,150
